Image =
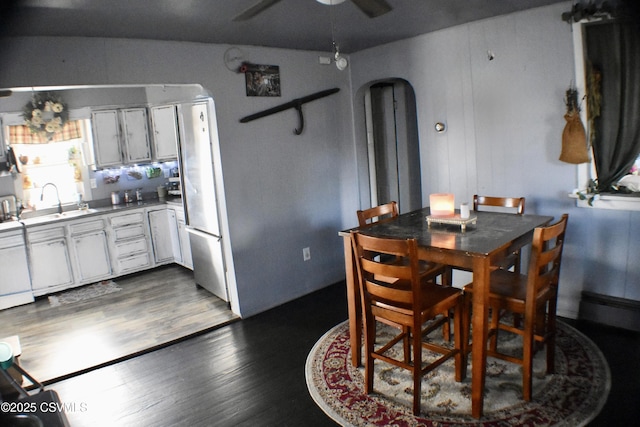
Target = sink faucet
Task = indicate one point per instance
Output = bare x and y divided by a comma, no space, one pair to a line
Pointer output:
57,195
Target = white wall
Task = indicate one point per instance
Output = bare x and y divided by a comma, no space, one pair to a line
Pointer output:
505,121
283,192
504,117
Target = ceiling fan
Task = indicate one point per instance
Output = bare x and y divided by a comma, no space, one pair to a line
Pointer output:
372,8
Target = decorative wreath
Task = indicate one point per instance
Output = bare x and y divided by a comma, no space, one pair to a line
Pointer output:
45,114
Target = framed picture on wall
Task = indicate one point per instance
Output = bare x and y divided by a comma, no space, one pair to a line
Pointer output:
262,80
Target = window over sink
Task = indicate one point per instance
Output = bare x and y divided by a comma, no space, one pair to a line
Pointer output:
58,161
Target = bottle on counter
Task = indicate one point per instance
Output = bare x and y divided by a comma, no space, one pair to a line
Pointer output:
138,194
127,196
115,198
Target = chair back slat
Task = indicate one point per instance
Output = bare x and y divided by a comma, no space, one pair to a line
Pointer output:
377,213
516,203
388,268
546,255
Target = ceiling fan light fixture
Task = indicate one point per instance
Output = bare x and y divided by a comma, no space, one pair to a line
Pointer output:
341,62
330,2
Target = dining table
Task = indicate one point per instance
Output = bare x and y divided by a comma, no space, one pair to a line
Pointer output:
488,238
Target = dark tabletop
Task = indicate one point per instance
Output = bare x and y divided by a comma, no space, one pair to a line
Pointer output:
491,231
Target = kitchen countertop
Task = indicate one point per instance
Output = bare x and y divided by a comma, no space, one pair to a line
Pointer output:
67,215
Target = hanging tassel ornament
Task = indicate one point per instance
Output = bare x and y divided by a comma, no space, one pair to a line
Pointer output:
574,136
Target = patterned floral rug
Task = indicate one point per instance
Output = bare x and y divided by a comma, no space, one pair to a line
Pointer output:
572,396
84,293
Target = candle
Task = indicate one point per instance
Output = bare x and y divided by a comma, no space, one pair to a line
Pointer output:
464,211
441,204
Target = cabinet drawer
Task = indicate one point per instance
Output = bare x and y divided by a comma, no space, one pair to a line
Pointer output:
10,241
129,232
127,219
85,227
127,248
135,262
46,234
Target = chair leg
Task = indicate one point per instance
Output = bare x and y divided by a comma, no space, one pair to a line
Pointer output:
527,359
417,369
466,323
495,323
459,337
406,344
551,340
447,280
369,344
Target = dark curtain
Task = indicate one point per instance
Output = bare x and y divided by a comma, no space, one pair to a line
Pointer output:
613,50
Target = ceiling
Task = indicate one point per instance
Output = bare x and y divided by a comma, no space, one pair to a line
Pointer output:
293,24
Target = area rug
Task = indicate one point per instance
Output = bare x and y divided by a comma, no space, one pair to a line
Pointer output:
84,293
572,396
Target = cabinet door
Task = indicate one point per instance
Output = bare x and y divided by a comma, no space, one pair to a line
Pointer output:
106,138
164,234
15,272
92,256
136,135
165,132
50,264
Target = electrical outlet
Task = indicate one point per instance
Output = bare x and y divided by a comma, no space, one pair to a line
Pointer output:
94,183
306,254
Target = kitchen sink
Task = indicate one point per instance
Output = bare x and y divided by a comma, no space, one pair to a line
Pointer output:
58,216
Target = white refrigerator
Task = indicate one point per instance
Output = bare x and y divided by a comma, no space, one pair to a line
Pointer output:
199,132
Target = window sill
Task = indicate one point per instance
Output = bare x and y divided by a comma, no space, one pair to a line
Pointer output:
626,202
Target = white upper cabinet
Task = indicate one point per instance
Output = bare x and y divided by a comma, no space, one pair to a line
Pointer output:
165,132
106,138
136,135
120,137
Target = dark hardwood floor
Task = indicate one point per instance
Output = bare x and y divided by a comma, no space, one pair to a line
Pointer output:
251,373
248,373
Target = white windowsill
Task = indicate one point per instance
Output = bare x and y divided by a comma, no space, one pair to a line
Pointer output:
629,202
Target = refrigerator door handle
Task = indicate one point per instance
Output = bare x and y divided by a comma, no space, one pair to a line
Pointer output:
201,233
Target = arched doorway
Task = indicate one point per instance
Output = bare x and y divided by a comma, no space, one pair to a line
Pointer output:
393,149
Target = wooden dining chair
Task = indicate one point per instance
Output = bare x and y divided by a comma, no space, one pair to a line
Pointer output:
377,213
505,204
533,296
428,270
409,302
388,211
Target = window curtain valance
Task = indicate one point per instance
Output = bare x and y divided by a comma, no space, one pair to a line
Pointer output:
613,52
21,134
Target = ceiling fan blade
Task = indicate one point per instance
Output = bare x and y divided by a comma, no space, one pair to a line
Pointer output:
373,8
255,10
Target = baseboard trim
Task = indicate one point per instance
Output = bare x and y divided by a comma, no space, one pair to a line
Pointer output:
609,310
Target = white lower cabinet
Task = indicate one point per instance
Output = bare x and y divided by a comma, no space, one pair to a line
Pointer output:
72,253
129,242
91,251
50,261
164,235
15,287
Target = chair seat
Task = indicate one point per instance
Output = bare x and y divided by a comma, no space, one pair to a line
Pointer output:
434,299
507,287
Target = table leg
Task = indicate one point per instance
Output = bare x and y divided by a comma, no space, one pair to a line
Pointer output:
480,319
353,303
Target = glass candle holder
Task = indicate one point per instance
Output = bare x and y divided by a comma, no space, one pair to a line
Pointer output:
441,204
